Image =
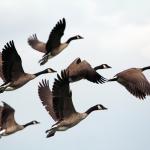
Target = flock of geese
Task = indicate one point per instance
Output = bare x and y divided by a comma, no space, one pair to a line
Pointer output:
58,101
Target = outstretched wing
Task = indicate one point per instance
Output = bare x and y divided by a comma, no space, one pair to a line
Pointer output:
82,70
34,42
74,64
55,35
7,118
12,64
62,96
92,75
46,98
135,82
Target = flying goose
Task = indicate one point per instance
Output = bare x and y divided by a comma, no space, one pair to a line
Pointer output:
134,81
13,72
8,125
58,103
53,46
78,70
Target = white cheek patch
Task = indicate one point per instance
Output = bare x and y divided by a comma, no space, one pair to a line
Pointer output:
49,71
2,131
104,66
99,107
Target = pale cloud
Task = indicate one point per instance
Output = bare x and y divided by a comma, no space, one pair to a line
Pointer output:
126,37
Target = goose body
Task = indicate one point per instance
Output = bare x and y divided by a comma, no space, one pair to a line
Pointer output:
53,46
58,103
134,81
78,70
8,125
13,72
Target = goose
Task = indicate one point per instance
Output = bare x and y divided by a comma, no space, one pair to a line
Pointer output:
78,70
53,46
13,72
8,125
134,81
59,105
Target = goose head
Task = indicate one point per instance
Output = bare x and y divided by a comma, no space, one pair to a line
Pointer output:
105,66
78,37
35,122
100,107
50,70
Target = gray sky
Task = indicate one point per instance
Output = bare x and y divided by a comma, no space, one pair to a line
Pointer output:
115,32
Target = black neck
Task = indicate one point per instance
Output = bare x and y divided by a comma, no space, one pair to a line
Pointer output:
70,39
145,68
28,124
98,67
41,72
113,79
91,110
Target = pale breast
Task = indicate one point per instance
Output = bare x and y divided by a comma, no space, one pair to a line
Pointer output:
12,130
71,121
22,80
60,48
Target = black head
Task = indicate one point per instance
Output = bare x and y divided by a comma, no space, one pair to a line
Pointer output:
100,107
105,66
96,107
50,70
78,37
35,122
74,38
115,78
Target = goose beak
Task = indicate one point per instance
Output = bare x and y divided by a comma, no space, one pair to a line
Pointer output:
103,108
81,37
113,79
109,66
54,71
50,70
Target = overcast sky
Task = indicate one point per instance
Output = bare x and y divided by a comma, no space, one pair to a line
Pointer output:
115,32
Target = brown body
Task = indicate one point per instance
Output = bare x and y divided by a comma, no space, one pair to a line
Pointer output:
53,46
12,70
58,103
134,81
78,70
8,125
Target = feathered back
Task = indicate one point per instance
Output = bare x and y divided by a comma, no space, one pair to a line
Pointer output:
12,63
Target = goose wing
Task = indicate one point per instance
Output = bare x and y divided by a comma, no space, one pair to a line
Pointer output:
73,64
7,118
62,97
55,35
135,82
46,98
83,70
12,64
34,42
1,71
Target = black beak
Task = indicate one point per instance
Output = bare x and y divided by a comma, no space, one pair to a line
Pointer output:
81,37
103,108
109,66
113,79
